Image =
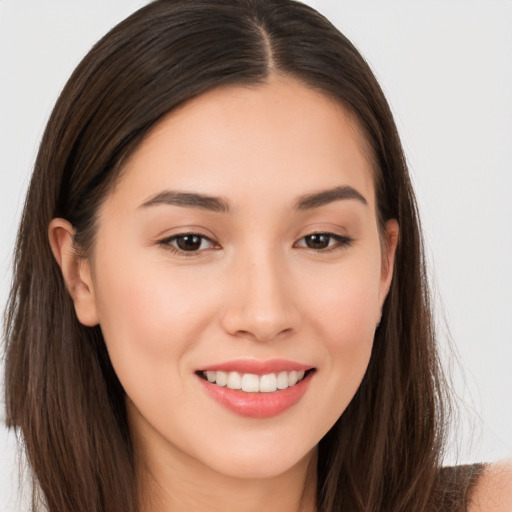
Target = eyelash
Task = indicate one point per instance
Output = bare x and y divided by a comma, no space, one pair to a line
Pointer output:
166,243
340,243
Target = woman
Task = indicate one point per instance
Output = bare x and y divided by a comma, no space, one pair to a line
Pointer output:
219,297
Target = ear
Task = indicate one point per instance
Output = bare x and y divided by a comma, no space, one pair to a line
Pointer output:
75,270
389,246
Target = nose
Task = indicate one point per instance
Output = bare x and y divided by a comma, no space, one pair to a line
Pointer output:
262,304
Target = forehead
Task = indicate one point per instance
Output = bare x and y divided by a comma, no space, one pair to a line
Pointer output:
280,136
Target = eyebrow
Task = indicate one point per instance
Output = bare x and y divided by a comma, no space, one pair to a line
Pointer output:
217,204
189,200
324,197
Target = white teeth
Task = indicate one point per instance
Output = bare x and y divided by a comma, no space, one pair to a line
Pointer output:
252,383
222,378
282,380
268,383
234,380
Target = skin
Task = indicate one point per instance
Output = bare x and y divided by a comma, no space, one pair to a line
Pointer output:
254,290
493,492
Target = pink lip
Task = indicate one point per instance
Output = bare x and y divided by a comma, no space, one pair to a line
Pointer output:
257,405
257,367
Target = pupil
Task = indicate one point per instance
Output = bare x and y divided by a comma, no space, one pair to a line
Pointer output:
189,242
318,241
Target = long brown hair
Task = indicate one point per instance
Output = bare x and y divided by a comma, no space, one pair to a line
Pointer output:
61,390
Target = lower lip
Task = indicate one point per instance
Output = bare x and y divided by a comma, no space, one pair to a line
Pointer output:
258,405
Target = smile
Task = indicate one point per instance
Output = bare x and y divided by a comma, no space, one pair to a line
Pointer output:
252,383
256,389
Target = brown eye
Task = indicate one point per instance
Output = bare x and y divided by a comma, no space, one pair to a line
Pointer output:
187,243
324,241
318,241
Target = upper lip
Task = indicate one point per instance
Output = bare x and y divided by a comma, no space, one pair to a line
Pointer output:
257,367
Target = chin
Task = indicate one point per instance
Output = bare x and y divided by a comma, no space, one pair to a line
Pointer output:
260,464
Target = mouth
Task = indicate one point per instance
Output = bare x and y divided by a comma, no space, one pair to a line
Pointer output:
253,383
256,389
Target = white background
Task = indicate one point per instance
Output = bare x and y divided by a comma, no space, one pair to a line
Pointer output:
446,67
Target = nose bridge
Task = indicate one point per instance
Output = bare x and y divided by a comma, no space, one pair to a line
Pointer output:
262,306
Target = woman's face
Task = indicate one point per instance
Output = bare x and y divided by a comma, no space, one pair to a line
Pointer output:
241,241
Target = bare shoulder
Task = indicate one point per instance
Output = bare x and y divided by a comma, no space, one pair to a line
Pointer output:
493,491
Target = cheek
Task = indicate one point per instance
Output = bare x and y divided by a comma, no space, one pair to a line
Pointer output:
151,324
344,310
345,301
148,316
348,330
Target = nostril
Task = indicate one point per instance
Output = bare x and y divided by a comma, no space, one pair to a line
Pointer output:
262,334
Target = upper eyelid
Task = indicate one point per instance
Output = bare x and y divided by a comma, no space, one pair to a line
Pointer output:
184,230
